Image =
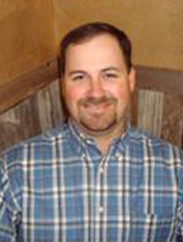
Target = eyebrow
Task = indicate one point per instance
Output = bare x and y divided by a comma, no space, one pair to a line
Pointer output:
76,72
111,68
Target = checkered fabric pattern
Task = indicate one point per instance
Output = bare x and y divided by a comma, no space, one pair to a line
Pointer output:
58,187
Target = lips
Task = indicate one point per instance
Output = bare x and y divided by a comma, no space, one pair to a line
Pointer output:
99,106
97,109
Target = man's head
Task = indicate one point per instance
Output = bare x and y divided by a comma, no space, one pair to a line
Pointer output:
97,78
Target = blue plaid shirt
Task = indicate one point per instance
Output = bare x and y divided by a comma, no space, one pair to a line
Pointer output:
59,188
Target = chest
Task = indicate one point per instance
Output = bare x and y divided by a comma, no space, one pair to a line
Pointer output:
113,200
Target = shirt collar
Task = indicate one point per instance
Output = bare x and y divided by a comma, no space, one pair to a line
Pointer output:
81,140
77,137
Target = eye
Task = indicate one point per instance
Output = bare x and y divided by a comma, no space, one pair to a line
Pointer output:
78,77
110,75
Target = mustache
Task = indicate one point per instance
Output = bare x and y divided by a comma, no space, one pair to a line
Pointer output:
96,101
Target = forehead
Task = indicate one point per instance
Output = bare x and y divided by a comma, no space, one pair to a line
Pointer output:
101,49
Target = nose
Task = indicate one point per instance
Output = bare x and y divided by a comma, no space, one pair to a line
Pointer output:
96,87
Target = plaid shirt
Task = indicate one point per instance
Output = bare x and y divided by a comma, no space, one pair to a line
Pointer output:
59,188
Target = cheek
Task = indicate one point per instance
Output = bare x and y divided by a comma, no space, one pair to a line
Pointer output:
119,93
123,97
71,96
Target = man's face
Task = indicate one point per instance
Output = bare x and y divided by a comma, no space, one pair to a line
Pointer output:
96,85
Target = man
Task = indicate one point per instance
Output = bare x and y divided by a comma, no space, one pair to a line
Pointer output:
94,179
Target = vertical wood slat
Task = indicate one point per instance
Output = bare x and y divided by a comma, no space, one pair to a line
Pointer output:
150,111
168,124
134,108
162,115
172,127
49,106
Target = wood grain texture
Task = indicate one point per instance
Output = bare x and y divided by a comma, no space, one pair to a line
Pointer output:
172,126
134,108
159,79
150,111
32,116
49,106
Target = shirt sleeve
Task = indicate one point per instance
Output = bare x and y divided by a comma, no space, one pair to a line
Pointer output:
179,234
180,200
9,211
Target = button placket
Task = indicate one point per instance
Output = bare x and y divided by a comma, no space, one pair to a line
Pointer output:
101,210
91,194
100,199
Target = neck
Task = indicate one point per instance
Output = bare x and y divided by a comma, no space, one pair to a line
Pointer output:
104,139
104,142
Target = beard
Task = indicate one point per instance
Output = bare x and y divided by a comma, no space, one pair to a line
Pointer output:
98,115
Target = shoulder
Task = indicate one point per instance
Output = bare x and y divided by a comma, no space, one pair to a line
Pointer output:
154,146
144,137
32,148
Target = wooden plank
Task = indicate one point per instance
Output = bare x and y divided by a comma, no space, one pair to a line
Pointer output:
49,105
134,108
172,127
161,80
150,111
27,84
19,123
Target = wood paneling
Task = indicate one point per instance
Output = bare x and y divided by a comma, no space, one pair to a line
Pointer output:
161,114
160,109
32,116
159,79
150,111
172,126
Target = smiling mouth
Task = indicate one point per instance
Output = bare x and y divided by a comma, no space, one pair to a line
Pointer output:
98,110
97,106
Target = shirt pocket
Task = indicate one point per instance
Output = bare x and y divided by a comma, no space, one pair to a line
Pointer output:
152,227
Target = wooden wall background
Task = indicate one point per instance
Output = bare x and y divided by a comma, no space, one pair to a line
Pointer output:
30,32
32,116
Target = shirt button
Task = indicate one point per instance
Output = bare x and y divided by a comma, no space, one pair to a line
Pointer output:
101,170
84,157
119,157
101,209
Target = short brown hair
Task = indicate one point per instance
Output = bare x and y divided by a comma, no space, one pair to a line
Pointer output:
88,31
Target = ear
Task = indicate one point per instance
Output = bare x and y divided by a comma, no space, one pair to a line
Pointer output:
132,79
